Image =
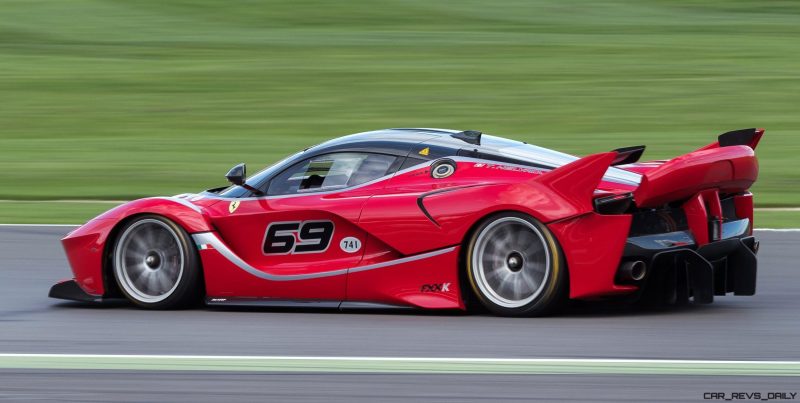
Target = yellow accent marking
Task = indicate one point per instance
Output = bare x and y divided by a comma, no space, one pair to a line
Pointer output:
233,206
556,259
425,151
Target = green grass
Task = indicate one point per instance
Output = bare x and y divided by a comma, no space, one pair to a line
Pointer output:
123,99
38,212
777,219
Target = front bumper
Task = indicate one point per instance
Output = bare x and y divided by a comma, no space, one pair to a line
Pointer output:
679,269
70,290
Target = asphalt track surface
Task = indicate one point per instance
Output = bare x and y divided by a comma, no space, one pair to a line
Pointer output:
763,327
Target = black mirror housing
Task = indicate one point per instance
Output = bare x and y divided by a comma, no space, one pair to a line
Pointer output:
237,174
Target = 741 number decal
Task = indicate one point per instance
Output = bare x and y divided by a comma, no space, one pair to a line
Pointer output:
290,237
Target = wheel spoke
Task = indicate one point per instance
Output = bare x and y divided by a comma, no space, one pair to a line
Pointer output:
512,262
137,247
524,241
164,283
149,260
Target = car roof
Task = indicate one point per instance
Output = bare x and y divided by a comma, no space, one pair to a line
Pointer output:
400,140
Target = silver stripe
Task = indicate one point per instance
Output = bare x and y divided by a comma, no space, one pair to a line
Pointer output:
179,201
212,239
613,174
402,260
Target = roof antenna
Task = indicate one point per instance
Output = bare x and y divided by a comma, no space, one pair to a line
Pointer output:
469,136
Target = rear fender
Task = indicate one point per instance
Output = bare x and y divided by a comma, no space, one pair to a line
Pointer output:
593,245
445,217
558,194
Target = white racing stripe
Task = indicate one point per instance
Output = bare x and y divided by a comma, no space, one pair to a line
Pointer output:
397,359
418,365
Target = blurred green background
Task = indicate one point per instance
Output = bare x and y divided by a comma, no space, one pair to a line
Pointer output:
115,100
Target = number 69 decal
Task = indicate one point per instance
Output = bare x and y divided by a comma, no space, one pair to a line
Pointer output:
290,237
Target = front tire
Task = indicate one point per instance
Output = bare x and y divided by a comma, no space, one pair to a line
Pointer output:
515,266
155,264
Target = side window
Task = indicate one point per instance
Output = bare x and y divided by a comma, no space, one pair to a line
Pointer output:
411,161
330,172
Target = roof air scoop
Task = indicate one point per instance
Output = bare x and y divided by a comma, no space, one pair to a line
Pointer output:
469,136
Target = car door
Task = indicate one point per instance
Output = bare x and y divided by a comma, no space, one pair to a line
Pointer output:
302,233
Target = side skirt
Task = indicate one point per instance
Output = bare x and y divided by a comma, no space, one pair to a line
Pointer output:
282,303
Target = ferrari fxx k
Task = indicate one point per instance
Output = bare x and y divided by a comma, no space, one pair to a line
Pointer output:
435,219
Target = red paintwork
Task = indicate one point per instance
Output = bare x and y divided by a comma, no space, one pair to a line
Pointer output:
400,284
188,218
85,247
643,167
593,246
477,193
386,216
730,169
697,215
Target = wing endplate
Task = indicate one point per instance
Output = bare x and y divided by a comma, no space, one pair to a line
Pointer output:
576,182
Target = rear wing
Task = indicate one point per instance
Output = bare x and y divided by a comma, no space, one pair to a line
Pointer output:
729,165
741,137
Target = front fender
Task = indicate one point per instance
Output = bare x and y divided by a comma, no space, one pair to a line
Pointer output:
187,214
86,247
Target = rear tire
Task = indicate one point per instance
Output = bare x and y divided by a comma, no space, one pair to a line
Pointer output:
155,264
515,267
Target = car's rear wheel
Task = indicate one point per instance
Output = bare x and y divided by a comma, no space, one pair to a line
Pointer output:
515,266
155,264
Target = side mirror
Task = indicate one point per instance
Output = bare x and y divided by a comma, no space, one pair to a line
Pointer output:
237,174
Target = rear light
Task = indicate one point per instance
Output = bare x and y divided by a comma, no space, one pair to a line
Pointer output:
614,204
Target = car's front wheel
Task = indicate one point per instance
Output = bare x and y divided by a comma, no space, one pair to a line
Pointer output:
155,264
515,266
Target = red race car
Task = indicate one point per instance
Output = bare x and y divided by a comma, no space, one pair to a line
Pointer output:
435,219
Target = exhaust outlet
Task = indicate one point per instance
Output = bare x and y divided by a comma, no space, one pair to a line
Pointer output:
632,271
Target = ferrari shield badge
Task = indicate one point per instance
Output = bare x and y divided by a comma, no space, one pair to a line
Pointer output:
233,206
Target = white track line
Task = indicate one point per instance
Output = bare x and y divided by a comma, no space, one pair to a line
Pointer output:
419,365
778,229
397,359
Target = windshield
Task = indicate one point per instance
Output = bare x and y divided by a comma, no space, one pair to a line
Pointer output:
259,177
